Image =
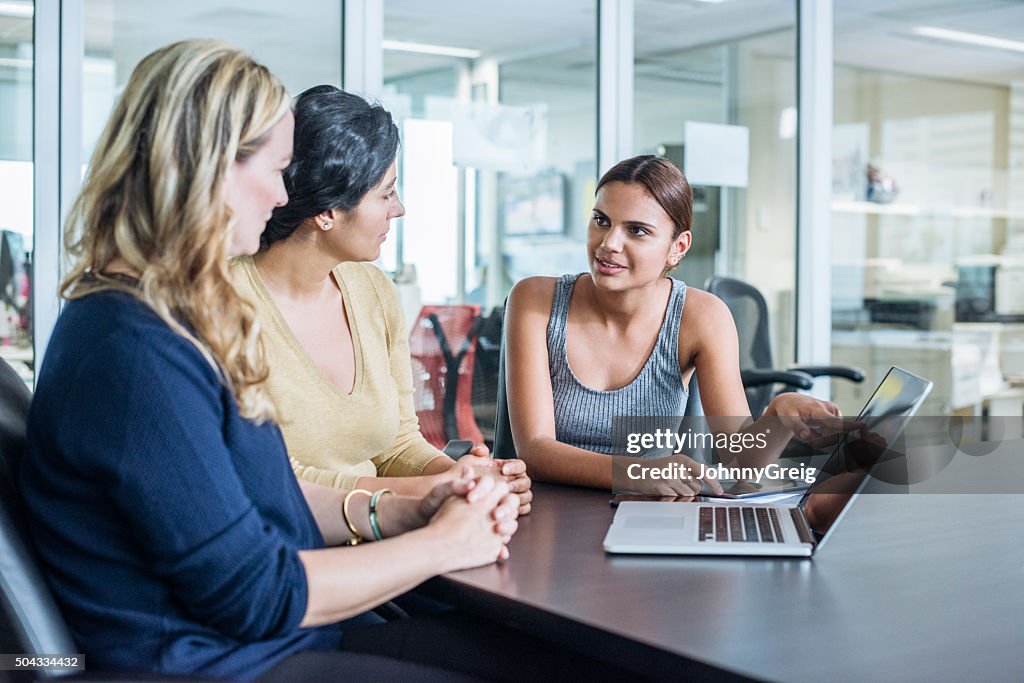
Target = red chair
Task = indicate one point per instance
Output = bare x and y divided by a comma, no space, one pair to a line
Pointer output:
442,344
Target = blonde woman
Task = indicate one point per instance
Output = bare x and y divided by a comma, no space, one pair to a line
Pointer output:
340,371
159,493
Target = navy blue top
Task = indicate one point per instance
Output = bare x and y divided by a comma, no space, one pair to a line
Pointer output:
168,524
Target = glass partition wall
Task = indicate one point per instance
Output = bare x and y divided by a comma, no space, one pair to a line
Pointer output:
928,200
300,41
499,133
86,51
731,65
500,130
16,186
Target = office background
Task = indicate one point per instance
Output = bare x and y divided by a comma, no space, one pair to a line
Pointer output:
884,224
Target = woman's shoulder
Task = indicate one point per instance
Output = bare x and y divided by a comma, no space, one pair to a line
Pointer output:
364,274
112,312
701,298
122,332
704,311
537,289
367,282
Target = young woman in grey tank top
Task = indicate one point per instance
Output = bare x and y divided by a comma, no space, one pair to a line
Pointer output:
624,339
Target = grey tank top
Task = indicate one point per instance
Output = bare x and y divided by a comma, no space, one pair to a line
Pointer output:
583,416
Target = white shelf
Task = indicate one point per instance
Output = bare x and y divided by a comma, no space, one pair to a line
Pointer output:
848,206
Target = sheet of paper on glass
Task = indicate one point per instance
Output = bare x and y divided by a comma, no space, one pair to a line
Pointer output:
716,154
494,137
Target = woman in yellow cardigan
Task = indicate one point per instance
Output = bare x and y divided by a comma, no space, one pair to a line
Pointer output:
340,372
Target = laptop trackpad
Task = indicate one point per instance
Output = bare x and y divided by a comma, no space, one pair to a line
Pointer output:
653,522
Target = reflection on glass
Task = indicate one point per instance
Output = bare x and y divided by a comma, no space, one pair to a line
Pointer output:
729,63
497,166
928,205
119,34
515,111
16,180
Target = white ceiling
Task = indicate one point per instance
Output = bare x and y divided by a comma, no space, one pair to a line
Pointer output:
300,38
877,35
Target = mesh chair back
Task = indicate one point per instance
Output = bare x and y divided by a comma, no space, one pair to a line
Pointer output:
750,312
504,446
30,622
485,372
443,392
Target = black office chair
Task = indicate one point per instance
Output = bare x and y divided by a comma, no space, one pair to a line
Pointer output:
30,622
504,447
757,370
485,372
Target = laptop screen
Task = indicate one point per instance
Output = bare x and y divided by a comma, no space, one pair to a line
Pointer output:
863,451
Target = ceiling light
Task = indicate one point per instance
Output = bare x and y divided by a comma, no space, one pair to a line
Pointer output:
969,38
16,9
422,48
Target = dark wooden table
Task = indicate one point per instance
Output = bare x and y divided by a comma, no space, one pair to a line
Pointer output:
923,587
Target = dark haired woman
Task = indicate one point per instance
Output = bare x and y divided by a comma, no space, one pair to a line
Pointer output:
340,371
619,341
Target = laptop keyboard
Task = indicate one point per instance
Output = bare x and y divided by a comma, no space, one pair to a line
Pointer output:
740,524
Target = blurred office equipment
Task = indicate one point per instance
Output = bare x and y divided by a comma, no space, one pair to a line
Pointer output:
12,268
990,289
892,293
531,205
442,346
14,286
760,377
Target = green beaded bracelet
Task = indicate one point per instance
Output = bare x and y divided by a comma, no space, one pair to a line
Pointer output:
374,499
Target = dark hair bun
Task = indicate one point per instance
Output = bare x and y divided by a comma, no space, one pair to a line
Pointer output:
343,147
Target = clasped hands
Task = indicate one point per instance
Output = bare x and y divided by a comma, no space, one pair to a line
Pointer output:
476,514
513,472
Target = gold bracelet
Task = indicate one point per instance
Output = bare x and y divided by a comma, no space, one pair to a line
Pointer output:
356,538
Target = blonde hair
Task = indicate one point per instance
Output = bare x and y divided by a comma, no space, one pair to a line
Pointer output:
153,198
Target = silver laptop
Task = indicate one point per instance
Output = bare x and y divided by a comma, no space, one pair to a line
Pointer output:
727,528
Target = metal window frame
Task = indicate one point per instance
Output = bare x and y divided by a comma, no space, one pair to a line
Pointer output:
814,186
362,68
615,50
58,54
